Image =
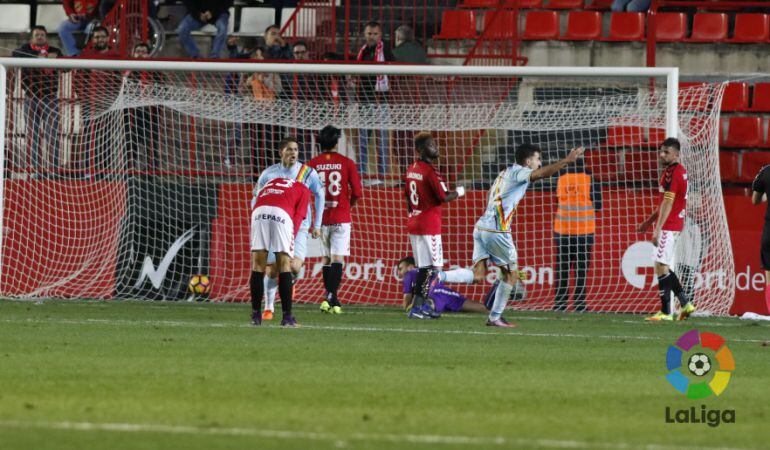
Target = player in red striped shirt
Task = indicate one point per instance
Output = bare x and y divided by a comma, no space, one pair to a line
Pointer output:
669,222
425,193
342,186
281,206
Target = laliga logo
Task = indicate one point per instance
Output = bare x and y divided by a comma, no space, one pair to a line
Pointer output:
636,257
699,364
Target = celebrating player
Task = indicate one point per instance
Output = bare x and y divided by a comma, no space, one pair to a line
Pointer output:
444,299
425,193
343,189
292,169
670,222
492,235
280,207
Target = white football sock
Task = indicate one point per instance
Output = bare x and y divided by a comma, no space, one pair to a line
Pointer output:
271,287
457,276
501,300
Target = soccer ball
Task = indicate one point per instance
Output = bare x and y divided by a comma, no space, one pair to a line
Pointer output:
199,284
699,364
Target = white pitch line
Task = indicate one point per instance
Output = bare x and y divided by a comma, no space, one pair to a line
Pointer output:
341,439
172,323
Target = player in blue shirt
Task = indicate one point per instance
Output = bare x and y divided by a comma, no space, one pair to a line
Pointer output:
492,235
444,299
291,168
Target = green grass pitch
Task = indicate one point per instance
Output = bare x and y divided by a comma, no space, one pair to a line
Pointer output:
151,375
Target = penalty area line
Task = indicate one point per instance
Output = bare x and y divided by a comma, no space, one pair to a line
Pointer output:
339,440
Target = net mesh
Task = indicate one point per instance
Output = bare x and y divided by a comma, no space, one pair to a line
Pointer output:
125,184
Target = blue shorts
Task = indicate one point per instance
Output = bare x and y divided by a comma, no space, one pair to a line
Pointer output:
497,247
300,247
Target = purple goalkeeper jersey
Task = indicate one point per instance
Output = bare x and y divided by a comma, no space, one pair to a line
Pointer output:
444,298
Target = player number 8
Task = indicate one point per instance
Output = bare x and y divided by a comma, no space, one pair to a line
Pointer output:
413,193
334,187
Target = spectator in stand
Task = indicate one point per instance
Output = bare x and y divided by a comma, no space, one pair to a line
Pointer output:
372,91
407,50
199,14
263,86
304,87
630,5
333,87
142,124
79,14
277,48
41,91
99,47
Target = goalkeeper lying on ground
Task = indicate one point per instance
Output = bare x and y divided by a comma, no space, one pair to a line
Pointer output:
444,299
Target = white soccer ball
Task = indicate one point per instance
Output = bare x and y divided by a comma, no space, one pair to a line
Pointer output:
699,365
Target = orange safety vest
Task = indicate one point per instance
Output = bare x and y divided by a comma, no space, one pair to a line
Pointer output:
575,214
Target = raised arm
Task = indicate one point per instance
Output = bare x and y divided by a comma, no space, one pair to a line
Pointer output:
552,169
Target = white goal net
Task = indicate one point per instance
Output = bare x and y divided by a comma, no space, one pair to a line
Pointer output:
124,181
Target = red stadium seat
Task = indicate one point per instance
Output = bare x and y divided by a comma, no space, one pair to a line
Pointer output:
670,27
742,132
751,162
641,165
499,25
691,100
583,26
541,26
736,97
603,164
709,27
602,5
633,136
564,4
760,101
728,166
751,28
457,25
625,27
482,4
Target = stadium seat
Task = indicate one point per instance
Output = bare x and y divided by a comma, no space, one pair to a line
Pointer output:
641,165
632,136
583,26
483,4
602,5
457,25
564,4
751,28
255,20
603,164
736,97
742,132
709,27
499,25
14,18
541,26
751,162
729,166
625,27
760,100
670,27
50,16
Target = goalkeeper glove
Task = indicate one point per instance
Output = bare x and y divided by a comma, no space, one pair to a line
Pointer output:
460,191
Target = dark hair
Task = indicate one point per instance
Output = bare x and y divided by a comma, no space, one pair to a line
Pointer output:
272,26
328,137
406,32
525,151
331,56
407,259
142,44
286,141
259,48
421,141
671,142
38,27
303,43
100,28
373,24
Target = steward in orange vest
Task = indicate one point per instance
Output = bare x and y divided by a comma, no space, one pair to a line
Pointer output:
574,226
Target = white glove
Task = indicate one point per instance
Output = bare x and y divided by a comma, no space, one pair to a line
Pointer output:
460,191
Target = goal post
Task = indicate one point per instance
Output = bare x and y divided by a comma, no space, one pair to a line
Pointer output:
133,176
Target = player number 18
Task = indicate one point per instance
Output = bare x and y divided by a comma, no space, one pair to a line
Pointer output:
334,186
